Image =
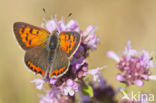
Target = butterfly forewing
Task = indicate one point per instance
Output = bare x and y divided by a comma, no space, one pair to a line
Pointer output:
28,35
69,42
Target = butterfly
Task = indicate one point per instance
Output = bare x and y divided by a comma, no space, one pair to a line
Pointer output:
46,53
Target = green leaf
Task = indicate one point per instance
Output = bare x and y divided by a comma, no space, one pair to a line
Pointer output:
124,92
87,90
123,85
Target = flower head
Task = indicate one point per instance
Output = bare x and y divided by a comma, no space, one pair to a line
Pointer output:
54,96
95,73
39,83
134,67
70,87
89,38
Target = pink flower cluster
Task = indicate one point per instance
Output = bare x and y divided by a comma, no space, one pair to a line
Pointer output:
134,67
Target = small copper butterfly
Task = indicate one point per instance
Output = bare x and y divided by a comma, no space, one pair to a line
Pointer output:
46,53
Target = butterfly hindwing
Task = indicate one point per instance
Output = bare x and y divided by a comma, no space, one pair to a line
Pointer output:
60,63
36,59
69,42
28,35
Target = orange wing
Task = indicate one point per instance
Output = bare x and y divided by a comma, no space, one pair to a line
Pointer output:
69,42
28,35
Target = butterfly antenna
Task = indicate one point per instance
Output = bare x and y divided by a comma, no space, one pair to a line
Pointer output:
44,13
44,10
69,15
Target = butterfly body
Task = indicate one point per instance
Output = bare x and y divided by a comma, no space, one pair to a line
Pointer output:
46,53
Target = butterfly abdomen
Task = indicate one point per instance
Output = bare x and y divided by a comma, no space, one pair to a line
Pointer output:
51,56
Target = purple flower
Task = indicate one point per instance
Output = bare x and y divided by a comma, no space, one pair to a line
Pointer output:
53,80
39,83
60,94
70,87
95,73
134,67
83,71
54,97
53,24
89,38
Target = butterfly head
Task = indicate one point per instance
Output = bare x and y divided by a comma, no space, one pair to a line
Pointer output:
53,40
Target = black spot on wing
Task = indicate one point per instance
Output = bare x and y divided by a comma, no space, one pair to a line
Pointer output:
37,32
26,38
29,42
31,30
69,36
70,46
29,66
22,30
74,37
67,48
35,70
40,72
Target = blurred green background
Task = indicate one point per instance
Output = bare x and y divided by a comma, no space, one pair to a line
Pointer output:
117,20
